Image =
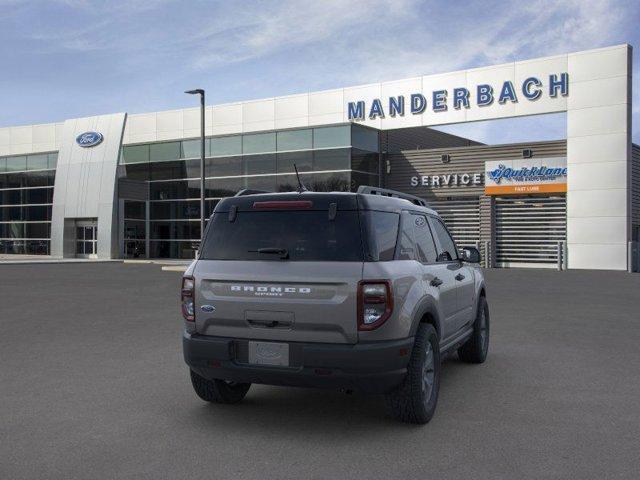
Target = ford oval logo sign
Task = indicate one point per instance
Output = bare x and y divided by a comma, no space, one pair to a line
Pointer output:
89,139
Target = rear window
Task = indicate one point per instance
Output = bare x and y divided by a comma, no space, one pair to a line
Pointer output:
305,235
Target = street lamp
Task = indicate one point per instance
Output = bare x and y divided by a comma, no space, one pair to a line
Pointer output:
200,91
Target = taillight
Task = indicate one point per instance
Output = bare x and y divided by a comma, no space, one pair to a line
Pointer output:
188,308
375,303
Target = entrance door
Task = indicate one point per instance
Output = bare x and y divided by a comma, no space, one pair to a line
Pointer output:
87,239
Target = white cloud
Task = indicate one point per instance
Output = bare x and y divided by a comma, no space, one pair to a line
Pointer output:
312,45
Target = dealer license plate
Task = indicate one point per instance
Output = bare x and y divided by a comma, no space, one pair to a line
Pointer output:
269,353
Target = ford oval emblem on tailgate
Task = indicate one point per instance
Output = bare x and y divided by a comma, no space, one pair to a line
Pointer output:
207,308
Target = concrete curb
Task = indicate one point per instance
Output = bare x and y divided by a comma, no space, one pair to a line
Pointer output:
175,268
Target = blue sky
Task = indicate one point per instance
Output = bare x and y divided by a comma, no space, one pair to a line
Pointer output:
65,59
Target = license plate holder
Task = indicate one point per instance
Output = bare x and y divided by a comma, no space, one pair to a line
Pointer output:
269,353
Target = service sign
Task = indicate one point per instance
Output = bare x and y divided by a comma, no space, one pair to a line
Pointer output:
524,176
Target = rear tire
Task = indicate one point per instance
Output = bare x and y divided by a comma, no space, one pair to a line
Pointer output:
476,348
218,391
415,400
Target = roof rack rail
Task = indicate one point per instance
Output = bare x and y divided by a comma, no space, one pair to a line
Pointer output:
385,192
248,191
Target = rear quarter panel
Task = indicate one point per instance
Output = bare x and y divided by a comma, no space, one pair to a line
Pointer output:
408,291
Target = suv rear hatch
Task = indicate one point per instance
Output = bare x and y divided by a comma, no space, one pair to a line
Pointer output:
281,267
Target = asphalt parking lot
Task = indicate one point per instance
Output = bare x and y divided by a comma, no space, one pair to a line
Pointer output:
92,385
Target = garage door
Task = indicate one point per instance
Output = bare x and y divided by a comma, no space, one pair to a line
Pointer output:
462,218
528,230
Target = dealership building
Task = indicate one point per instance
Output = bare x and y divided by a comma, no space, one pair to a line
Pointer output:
127,185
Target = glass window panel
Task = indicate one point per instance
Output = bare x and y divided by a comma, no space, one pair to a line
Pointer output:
223,187
259,143
16,164
302,160
3,165
12,197
162,152
224,146
295,140
14,180
134,249
176,170
382,228
39,179
134,209
170,190
191,148
15,230
327,182
11,213
259,164
52,160
327,137
266,183
446,246
16,247
364,161
38,230
339,159
165,249
288,183
140,171
38,162
134,229
38,195
223,166
175,230
364,139
306,235
89,248
135,154
37,213
424,240
37,247
174,210
358,179
210,205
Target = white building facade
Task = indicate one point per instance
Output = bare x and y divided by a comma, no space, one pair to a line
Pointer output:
104,194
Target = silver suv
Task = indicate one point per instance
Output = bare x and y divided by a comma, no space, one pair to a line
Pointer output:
357,291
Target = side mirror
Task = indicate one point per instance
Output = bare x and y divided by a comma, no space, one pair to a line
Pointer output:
471,255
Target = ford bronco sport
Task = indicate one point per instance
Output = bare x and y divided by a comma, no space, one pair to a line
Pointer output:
357,291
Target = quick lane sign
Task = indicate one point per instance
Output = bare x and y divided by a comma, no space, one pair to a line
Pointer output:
513,177
482,95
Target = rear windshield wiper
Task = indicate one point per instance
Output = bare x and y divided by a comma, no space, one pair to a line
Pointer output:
284,254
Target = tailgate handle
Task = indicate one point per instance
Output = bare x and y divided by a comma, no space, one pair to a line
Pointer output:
270,323
269,319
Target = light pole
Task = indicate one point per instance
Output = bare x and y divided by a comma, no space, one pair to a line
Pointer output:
200,91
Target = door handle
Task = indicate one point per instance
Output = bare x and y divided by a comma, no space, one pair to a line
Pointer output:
459,277
436,282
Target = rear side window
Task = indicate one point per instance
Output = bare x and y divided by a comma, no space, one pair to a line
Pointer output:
382,235
424,240
304,235
406,242
447,247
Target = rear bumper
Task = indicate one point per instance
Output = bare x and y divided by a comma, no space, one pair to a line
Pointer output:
375,367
